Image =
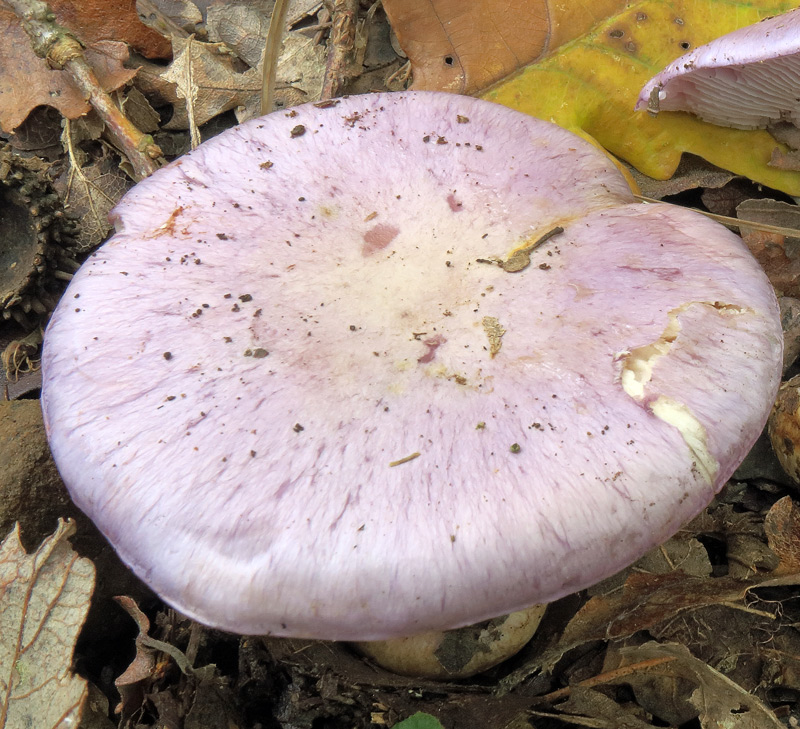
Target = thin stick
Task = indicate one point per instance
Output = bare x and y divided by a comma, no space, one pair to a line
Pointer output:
62,50
341,48
731,222
607,677
272,50
191,95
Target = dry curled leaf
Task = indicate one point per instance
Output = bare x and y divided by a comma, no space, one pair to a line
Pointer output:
462,46
779,255
27,81
89,193
206,77
719,702
95,20
782,527
647,601
44,598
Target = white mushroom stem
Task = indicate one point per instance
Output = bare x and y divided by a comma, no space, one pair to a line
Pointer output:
459,653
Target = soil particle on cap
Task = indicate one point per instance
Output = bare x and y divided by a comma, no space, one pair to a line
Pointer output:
406,459
494,332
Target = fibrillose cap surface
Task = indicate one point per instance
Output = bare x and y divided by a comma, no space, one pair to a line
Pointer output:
746,79
308,389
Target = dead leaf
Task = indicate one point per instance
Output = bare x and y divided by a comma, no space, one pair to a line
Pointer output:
587,707
240,26
645,601
462,46
782,527
720,703
27,81
590,86
89,193
778,255
692,173
97,20
650,602
205,76
44,599
141,114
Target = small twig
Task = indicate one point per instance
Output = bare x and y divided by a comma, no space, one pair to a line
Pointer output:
402,74
272,50
729,222
191,95
341,48
608,677
158,21
521,258
405,459
315,29
324,20
63,51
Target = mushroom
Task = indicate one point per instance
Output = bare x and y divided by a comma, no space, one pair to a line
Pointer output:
398,363
747,79
784,427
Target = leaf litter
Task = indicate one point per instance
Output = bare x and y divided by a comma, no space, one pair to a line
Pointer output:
44,599
700,631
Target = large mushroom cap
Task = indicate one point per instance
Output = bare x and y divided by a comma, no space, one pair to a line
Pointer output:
746,79
300,395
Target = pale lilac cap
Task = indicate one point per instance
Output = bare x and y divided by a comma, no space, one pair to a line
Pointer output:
746,79
300,395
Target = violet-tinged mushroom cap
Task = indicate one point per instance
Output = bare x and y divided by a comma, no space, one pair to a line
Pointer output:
746,79
300,394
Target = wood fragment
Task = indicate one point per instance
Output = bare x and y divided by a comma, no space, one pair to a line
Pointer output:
405,460
272,50
728,222
62,50
341,48
603,678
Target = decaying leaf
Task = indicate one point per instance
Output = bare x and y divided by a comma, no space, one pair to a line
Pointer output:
96,20
779,255
650,600
240,26
462,46
206,76
207,79
719,702
692,173
89,193
590,85
587,707
782,527
27,81
44,598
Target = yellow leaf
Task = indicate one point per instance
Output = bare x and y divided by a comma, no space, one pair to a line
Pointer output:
590,85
